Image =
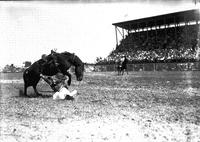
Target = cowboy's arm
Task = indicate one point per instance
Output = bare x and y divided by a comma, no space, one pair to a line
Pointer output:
49,81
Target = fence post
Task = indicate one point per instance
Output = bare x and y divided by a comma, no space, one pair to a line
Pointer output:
143,68
154,66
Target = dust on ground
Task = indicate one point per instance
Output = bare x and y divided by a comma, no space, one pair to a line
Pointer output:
141,106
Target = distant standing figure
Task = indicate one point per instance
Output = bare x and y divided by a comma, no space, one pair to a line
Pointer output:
119,66
198,53
124,65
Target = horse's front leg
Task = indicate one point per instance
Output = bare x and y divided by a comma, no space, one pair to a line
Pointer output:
69,76
119,71
35,84
25,89
122,71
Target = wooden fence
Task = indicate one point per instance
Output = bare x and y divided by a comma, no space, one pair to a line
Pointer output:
192,66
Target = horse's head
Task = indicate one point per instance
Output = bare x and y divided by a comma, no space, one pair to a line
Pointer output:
79,68
74,60
79,72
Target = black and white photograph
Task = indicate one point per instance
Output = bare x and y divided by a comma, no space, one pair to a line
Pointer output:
100,71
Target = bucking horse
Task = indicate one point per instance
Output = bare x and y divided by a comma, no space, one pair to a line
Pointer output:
65,60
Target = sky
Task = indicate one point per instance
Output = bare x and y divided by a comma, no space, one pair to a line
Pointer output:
30,29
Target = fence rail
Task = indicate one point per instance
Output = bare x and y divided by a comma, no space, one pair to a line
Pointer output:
191,66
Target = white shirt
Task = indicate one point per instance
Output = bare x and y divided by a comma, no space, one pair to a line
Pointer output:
62,93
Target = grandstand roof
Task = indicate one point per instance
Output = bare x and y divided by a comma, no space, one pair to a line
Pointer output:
167,19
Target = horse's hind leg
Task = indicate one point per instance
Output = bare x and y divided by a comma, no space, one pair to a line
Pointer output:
36,92
25,89
122,71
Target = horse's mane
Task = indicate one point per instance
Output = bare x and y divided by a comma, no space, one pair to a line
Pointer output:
67,53
40,61
73,56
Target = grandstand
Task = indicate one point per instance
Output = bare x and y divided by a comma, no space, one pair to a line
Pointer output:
165,38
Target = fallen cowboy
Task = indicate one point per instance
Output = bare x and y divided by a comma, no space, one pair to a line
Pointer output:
59,86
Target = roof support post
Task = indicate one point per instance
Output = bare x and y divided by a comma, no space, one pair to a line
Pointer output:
197,26
186,36
138,30
129,29
123,33
198,39
120,32
147,31
165,27
175,26
116,36
128,32
155,29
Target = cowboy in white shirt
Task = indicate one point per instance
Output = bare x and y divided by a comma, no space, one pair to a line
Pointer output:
59,86
63,92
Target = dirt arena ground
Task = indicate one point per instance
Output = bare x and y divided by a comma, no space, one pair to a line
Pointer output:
139,107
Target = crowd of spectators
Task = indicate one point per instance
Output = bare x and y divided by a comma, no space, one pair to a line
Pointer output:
175,44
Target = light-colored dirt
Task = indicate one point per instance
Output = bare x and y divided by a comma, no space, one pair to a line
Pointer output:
107,108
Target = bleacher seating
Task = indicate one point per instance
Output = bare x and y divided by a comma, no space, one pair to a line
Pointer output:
161,45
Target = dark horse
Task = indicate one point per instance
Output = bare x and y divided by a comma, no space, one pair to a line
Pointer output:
122,66
65,60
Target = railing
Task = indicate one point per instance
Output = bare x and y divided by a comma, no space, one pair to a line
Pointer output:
191,66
